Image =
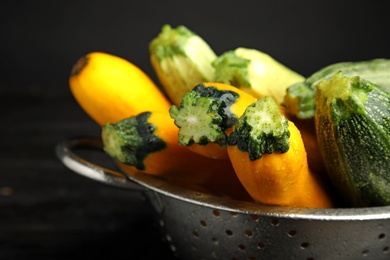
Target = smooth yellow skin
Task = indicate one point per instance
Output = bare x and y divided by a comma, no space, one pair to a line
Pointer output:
309,137
213,150
181,166
281,179
110,88
210,150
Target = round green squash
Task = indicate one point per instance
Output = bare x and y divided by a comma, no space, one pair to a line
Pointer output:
352,121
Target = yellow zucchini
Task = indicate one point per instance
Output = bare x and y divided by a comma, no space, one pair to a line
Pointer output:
110,88
269,157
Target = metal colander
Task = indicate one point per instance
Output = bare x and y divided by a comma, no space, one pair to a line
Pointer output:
202,226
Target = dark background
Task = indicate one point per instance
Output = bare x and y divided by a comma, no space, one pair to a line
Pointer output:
40,40
47,211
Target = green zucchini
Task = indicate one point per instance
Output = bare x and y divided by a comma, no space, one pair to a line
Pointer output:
299,98
352,121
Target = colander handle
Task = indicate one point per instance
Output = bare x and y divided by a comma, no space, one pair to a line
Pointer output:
66,152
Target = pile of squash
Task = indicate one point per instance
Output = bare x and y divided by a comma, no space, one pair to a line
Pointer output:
339,152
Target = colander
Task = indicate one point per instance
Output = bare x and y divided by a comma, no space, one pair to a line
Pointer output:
202,226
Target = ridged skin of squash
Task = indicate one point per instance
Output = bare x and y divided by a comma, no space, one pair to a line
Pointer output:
353,128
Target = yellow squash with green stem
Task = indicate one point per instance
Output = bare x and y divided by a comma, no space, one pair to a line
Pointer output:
269,158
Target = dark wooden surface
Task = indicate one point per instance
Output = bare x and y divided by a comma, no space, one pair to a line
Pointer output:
50,212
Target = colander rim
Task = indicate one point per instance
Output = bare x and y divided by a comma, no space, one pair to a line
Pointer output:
148,183
165,188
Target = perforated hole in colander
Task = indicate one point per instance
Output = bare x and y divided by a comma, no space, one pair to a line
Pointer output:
229,232
292,233
249,233
216,213
384,250
304,245
215,241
